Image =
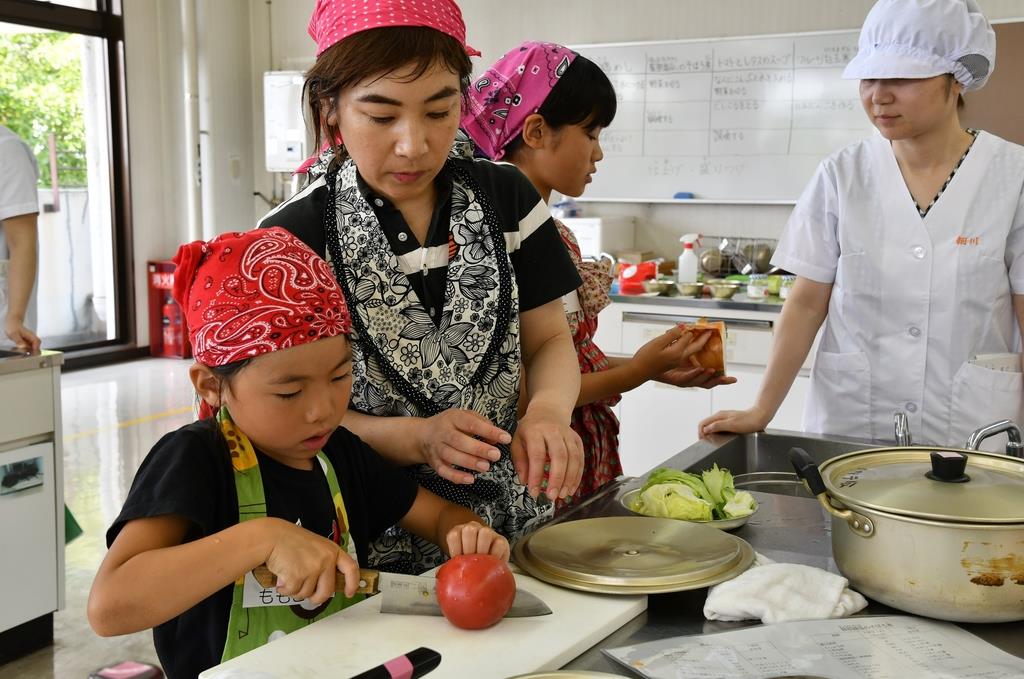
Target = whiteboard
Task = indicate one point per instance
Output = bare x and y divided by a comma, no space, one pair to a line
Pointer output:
731,119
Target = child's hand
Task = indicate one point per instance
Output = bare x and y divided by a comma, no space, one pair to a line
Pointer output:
668,352
306,565
703,378
475,538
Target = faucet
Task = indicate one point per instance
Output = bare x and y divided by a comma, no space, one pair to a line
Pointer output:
902,425
1014,446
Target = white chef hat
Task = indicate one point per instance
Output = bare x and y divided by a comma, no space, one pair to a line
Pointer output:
925,38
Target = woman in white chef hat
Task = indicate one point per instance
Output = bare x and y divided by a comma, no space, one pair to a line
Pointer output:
910,244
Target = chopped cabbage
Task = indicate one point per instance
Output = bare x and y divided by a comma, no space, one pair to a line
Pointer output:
664,475
673,501
740,504
719,483
675,494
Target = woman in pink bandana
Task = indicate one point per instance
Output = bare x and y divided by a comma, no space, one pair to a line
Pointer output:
270,478
542,107
452,267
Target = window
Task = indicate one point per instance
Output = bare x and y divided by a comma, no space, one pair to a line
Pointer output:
61,79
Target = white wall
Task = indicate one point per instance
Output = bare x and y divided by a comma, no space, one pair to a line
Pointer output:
494,26
226,129
156,121
244,38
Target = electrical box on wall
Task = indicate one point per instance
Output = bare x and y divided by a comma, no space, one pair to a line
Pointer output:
284,130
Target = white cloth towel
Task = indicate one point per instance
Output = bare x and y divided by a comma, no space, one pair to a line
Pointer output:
780,592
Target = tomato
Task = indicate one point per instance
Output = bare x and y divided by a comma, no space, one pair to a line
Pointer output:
475,590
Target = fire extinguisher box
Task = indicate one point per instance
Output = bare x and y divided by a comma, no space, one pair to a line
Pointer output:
168,332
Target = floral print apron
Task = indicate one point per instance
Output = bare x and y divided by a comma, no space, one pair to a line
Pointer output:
406,365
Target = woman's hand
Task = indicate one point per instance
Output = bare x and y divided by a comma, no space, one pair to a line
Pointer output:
306,564
544,442
734,421
460,438
23,338
476,538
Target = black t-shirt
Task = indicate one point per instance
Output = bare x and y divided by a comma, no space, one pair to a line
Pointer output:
542,266
189,473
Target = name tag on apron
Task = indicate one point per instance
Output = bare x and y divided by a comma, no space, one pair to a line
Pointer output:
255,595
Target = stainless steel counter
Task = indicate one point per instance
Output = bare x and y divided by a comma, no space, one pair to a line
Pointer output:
739,302
785,528
19,361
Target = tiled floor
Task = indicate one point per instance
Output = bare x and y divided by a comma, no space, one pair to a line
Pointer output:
112,417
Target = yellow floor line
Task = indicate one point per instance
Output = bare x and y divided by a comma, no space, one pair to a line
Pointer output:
131,423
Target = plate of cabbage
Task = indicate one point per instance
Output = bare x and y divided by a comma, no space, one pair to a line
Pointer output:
709,497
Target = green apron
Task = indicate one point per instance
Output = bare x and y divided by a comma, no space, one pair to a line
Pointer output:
250,628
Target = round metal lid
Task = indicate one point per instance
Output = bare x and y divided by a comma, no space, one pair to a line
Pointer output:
632,551
901,481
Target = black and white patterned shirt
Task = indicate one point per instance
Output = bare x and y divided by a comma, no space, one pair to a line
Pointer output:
543,269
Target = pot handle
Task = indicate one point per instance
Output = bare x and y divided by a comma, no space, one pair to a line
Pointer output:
807,470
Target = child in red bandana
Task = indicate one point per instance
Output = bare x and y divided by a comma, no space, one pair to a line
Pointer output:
266,477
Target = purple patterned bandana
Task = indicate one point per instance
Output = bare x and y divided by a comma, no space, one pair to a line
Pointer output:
510,91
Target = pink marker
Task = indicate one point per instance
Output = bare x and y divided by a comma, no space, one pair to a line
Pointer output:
412,665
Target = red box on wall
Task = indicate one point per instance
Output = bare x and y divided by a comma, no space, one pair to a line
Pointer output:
168,331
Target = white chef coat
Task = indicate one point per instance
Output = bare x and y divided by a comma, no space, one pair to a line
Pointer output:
913,299
19,174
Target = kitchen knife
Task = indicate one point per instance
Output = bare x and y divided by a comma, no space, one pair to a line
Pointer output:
411,594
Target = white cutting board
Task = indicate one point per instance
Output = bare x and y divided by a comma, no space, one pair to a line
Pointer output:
361,637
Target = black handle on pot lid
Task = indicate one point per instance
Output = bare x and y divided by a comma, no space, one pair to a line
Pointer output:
948,466
807,469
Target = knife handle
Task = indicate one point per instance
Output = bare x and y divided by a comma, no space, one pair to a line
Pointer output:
368,580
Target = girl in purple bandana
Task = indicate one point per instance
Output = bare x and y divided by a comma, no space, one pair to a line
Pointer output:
542,107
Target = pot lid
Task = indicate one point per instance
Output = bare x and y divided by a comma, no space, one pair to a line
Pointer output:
633,551
940,484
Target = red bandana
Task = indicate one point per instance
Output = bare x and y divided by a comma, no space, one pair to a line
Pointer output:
250,293
335,20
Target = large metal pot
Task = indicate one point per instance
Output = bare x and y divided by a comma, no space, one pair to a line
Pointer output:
936,532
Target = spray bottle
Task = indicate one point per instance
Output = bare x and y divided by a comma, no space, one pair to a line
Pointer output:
686,271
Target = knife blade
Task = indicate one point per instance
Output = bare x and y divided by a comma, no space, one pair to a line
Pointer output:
415,595
411,594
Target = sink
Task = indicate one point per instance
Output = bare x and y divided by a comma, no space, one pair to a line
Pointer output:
760,461
769,452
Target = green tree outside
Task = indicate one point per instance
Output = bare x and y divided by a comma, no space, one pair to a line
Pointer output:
40,95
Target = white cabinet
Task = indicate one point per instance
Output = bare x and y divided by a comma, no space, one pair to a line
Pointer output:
31,500
656,422
28,528
598,235
741,396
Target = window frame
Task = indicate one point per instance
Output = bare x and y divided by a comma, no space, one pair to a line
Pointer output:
105,22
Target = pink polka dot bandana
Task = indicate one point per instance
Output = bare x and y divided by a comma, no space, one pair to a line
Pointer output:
510,91
249,293
335,20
